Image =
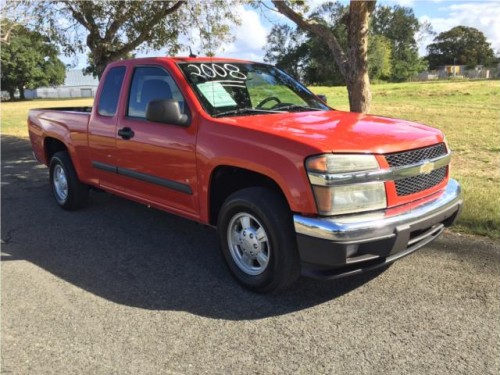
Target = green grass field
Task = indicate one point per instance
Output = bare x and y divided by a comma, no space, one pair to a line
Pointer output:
468,112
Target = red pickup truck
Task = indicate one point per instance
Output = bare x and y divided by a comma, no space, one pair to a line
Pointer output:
291,184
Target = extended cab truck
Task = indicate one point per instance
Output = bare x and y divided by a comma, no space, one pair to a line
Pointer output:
291,184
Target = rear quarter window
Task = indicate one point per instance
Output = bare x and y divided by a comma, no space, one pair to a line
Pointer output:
108,101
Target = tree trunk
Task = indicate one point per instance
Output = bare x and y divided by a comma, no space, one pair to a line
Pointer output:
12,94
98,55
100,66
101,57
101,62
353,63
21,93
358,82
358,88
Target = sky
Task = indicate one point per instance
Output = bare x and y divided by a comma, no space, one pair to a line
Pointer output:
250,36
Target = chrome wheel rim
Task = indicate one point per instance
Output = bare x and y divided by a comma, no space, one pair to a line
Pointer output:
248,244
60,183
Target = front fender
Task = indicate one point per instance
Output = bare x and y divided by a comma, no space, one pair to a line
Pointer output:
277,158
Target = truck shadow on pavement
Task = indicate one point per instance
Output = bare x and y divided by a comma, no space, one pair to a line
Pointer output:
132,255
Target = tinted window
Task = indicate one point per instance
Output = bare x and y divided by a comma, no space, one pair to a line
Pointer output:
150,83
108,101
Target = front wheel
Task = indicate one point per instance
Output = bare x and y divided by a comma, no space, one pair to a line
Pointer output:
258,241
68,191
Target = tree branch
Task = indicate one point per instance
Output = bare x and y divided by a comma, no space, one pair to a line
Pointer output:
115,25
143,36
87,13
317,29
6,34
78,16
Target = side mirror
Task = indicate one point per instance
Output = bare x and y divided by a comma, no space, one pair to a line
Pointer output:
166,111
322,98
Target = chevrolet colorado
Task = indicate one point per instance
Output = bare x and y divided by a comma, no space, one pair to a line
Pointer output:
291,184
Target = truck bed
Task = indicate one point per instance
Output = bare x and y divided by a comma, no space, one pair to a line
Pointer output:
57,123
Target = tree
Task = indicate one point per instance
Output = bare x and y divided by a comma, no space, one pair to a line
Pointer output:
12,16
320,69
400,26
392,44
351,61
29,60
287,50
461,45
7,28
379,57
114,29
304,55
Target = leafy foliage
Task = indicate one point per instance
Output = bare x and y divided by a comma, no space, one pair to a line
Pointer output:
112,30
392,45
351,61
320,70
304,55
287,49
379,57
29,60
400,26
462,46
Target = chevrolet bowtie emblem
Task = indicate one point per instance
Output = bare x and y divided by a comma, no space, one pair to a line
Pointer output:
427,167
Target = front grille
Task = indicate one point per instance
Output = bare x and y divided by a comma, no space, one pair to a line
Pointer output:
401,159
412,185
415,184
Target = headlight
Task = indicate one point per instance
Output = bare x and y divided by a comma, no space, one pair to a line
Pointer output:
344,199
331,163
336,200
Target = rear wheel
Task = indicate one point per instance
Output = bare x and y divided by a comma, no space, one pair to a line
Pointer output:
258,241
68,191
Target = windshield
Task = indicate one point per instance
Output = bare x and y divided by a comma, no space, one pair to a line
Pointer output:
231,89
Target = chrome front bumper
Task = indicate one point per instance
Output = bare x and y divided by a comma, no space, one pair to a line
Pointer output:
336,246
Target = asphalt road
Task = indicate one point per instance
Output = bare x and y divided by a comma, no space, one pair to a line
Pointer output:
118,288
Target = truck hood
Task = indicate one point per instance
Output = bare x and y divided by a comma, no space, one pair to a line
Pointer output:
337,131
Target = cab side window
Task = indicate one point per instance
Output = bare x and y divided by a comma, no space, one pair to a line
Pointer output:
151,83
108,101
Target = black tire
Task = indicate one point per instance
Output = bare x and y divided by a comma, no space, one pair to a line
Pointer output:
72,195
260,207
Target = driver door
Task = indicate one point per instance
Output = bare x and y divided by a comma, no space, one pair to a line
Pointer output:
156,162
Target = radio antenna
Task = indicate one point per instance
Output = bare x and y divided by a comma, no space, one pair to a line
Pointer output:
191,54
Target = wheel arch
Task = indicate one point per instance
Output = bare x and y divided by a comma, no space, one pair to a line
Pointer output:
227,179
52,145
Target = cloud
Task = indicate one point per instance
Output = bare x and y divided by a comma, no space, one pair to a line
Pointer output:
483,16
250,37
405,3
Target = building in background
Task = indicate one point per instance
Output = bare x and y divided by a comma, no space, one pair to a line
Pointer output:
446,71
76,85
460,71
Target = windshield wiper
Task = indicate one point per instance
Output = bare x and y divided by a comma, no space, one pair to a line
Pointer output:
244,111
289,107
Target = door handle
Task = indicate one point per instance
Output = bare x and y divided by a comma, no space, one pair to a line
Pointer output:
126,133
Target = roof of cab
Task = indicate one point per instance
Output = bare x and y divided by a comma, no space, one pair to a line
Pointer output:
180,59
